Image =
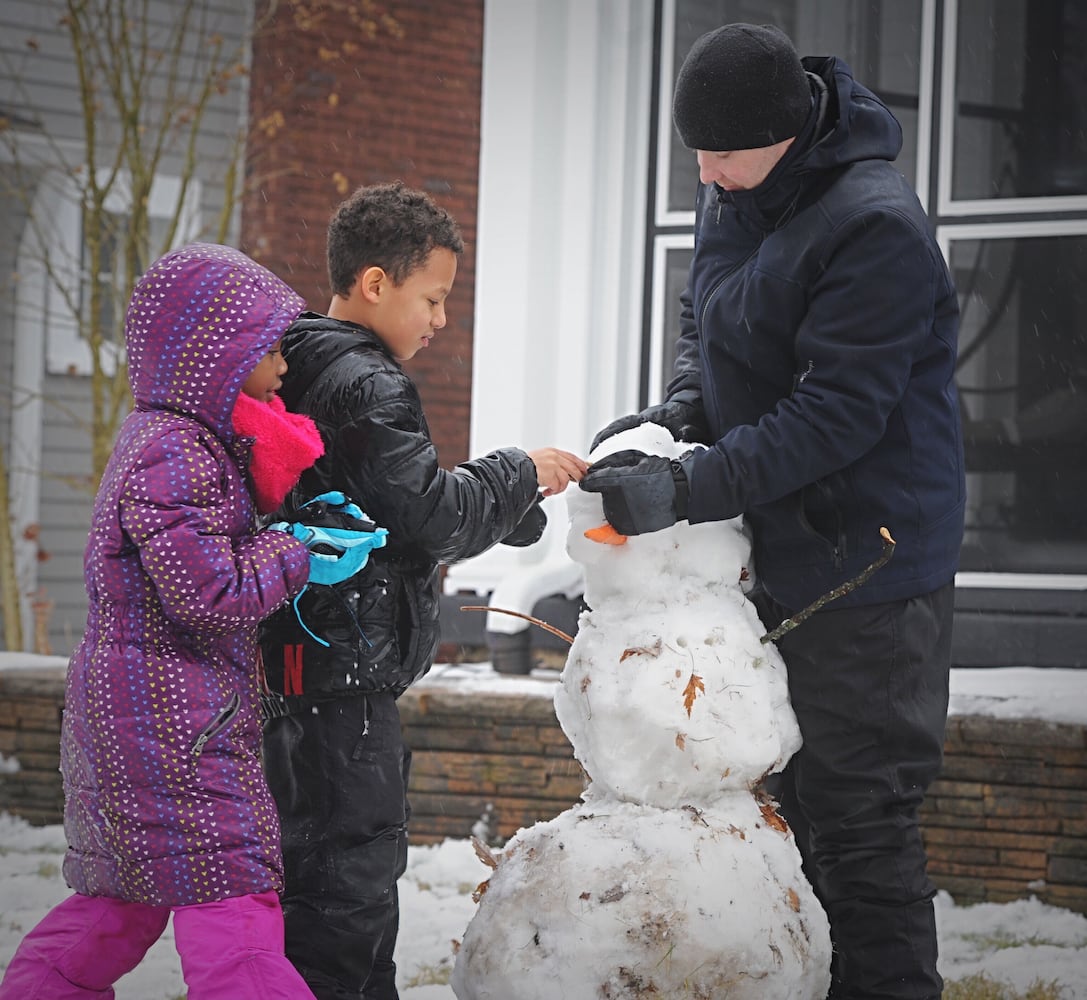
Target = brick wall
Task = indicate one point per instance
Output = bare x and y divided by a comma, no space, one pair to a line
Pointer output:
1007,819
344,94
31,700
1008,815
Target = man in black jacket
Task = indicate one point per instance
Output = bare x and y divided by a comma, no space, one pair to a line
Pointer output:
338,661
818,340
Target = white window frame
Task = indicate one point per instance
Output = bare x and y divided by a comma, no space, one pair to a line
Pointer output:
658,325
664,218
67,353
945,235
976,206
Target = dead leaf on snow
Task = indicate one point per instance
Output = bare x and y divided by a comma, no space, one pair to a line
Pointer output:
691,691
654,650
681,741
613,895
484,853
770,814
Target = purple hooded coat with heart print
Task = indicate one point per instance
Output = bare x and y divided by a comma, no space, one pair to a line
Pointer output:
165,798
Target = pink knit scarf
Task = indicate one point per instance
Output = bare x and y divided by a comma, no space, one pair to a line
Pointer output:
285,445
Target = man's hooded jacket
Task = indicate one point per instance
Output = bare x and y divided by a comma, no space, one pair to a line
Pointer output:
819,332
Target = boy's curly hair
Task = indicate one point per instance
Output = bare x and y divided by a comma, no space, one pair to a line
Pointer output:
388,226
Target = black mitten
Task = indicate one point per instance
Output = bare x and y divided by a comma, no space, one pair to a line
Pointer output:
530,528
683,418
641,492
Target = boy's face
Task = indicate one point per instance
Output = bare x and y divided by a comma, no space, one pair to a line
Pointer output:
407,316
264,380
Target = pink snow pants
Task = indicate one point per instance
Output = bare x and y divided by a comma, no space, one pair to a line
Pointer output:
231,949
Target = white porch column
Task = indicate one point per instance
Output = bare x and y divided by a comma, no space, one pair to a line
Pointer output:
559,261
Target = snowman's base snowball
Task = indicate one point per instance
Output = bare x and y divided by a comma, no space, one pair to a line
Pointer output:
618,900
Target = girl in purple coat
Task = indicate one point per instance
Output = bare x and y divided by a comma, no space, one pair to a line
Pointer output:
166,807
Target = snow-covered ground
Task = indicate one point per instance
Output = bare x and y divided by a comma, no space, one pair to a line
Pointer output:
1016,942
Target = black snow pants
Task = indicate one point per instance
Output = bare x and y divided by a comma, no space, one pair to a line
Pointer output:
869,686
339,774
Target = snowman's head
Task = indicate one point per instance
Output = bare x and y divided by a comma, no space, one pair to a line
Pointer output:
649,564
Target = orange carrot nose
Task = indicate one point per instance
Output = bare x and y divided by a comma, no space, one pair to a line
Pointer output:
606,535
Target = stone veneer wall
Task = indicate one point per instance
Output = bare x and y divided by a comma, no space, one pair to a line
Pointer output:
1007,819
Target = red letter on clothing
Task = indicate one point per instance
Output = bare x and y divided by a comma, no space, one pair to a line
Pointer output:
292,669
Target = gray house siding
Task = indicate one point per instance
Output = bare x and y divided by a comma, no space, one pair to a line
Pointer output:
39,96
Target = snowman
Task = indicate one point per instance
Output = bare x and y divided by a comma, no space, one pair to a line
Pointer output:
674,877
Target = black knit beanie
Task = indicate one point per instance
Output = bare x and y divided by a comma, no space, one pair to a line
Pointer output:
741,87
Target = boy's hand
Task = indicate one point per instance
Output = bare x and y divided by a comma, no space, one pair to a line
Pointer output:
556,469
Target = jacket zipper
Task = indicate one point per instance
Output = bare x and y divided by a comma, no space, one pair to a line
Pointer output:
720,281
217,725
728,274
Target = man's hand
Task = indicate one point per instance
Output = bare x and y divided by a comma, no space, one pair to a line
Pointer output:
682,418
641,493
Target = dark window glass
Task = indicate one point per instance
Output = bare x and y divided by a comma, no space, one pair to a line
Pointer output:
879,39
677,264
1021,103
1022,376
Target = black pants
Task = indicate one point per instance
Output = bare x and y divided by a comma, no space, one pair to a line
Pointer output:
339,775
869,686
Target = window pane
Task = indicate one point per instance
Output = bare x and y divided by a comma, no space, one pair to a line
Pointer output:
1021,101
677,264
879,39
1023,380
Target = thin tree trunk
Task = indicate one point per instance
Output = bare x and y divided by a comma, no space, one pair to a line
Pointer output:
9,582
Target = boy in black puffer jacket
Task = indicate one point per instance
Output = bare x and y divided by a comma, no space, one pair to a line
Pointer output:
333,752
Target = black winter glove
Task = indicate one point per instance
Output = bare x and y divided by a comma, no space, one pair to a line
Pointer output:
530,528
683,419
641,492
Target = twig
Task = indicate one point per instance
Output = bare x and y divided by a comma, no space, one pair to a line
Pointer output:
840,591
528,618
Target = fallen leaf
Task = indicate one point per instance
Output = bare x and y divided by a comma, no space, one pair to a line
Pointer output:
681,741
613,895
484,853
770,814
794,900
691,691
654,650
